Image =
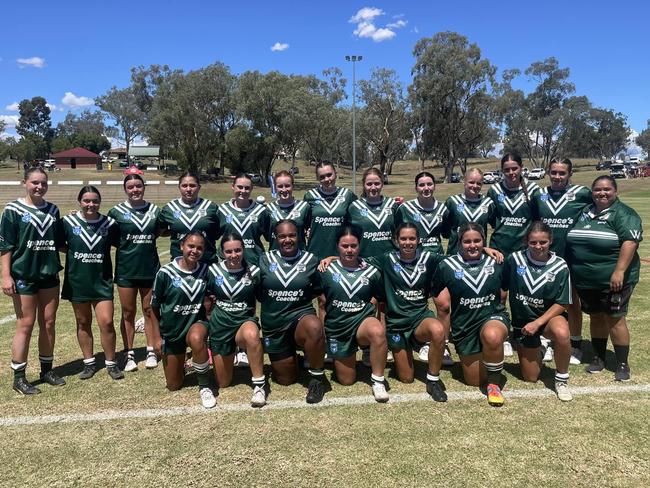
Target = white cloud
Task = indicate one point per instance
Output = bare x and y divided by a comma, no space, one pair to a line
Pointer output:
366,28
34,62
9,120
366,14
13,107
279,46
72,100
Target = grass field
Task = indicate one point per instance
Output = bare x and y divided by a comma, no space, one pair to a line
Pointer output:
134,432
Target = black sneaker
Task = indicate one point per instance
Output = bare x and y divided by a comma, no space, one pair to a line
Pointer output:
622,372
315,391
88,372
24,387
596,366
437,390
51,378
114,372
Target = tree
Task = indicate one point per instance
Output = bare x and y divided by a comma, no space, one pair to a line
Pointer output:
383,119
35,122
451,98
643,139
122,106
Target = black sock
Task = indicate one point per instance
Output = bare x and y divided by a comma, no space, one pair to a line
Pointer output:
622,353
600,347
46,363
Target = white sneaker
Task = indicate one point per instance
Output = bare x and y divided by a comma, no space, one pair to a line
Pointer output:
576,356
259,397
152,361
241,359
563,392
507,349
389,357
548,354
424,353
131,365
139,325
379,392
207,398
447,360
365,357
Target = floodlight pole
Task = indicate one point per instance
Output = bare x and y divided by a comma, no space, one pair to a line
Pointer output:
354,60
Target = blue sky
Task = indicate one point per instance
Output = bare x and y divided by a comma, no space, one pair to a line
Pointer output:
72,51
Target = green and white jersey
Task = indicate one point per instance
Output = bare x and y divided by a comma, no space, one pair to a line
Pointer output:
88,267
298,211
475,289
181,218
430,222
513,213
376,222
560,210
535,286
234,292
327,217
287,288
251,223
594,245
178,296
347,297
136,257
461,210
33,235
407,287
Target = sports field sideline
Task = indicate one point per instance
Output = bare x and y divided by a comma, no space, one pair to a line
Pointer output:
134,432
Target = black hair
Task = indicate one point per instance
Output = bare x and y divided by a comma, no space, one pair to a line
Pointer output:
470,226
190,174
605,177
405,225
132,176
88,189
538,226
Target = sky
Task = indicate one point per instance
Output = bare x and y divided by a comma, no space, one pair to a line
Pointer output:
72,51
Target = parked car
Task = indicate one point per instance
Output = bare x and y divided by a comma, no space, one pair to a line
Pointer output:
603,165
536,174
455,178
617,170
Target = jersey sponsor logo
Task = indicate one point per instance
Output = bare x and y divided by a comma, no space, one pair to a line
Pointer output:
192,284
357,280
471,214
330,208
229,284
474,282
241,220
428,220
535,281
41,224
410,277
287,276
92,236
190,217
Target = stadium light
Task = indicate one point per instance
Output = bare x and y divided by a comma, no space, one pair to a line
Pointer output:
354,59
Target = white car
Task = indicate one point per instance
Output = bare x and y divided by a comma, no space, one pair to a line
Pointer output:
536,174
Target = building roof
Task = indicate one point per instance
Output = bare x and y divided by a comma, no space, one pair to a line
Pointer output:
76,152
144,151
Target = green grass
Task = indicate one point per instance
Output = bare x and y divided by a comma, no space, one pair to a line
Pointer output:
595,440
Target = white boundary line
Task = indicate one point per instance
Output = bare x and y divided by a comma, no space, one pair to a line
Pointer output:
292,404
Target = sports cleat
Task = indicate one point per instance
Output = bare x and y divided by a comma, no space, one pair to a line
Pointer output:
424,353
152,361
241,359
548,354
114,372
596,366
315,391
365,357
259,397
576,356
51,378
207,398
507,349
436,389
562,391
495,398
447,360
24,387
622,372
130,365
379,392
88,372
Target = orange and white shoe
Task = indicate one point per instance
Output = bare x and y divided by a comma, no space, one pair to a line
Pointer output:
495,398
